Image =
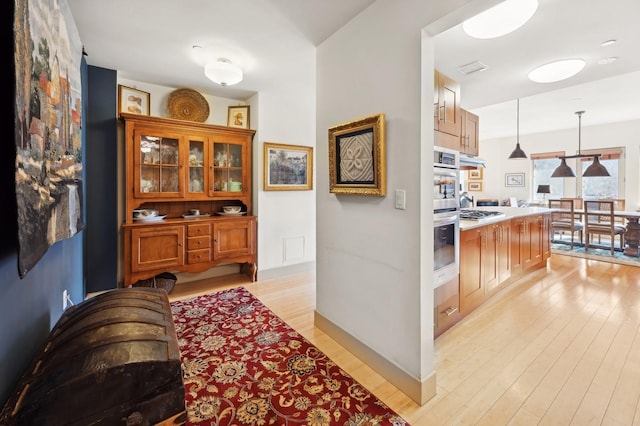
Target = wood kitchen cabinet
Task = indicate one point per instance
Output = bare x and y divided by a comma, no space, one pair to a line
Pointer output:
454,127
472,252
485,254
497,262
446,306
174,166
446,105
494,255
469,140
530,242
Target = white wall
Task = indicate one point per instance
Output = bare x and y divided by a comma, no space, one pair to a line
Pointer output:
496,153
374,262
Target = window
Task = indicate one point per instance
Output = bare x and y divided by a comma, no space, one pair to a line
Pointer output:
607,187
543,166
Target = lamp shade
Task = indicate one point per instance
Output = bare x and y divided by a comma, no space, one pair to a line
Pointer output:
596,169
544,189
563,170
223,72
517,153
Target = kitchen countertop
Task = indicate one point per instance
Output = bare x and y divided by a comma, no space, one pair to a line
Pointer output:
509,213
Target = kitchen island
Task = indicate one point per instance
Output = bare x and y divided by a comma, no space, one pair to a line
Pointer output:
497,250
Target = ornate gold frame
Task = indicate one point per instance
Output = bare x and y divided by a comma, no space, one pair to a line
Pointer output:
357,163
287,154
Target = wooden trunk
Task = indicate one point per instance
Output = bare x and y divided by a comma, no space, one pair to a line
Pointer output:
113,359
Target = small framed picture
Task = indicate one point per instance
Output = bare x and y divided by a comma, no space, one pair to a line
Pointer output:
238,117
514,179
475,174
133,101
287,167
475,186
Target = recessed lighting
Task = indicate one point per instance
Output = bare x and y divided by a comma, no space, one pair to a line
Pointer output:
608,43
606,61
556,71
501,19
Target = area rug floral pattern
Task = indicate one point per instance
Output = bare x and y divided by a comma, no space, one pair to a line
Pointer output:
243,365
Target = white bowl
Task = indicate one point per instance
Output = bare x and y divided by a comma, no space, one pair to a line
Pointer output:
141,213
231,209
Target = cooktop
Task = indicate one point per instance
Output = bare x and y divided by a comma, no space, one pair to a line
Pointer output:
468,214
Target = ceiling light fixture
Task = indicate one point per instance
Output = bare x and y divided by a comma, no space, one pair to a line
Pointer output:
223,72
594,170
556,71
607,61
608,43
518,153
501,19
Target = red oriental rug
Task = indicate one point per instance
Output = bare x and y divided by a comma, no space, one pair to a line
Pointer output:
243,365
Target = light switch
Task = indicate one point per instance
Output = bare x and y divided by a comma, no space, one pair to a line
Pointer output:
401,199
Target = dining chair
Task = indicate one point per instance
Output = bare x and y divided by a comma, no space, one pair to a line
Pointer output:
564,219
600,220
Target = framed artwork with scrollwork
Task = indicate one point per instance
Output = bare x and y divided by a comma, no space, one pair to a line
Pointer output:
357,157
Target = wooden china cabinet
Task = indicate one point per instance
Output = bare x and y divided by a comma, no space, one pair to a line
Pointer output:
176,166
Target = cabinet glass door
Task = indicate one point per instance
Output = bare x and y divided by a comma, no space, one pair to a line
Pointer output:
227,167
159,170
196,167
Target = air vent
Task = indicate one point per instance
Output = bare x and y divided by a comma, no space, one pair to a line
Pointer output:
472,68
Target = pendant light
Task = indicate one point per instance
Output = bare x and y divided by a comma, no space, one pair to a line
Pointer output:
594,170
518,153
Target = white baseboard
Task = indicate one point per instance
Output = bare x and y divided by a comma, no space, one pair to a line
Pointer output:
298,268
418,391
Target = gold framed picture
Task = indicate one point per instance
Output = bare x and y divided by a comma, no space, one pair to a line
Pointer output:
133,101
357,157
475,174
238,117
475,186
287,167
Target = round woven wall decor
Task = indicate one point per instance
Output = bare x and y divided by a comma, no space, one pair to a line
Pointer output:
187,104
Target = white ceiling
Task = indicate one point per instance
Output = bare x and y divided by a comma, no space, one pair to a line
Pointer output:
151,41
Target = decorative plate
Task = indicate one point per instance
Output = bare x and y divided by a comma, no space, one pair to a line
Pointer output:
187,104
149,219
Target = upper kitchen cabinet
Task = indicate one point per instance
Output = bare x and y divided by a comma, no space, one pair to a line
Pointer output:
469,142
446,105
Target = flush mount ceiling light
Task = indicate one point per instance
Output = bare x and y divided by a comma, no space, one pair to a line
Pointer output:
518,153
594,170
223,72
556,71
501,19
607,61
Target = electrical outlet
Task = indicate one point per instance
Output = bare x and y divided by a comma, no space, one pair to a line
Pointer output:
65,299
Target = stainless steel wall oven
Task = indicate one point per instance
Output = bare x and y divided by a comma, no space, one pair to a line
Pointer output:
446,220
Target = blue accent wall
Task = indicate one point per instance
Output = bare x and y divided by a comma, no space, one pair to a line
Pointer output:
31,306
101,150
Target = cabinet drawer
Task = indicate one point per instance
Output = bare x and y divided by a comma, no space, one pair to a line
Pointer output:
447,311
197,243
198,229
199,256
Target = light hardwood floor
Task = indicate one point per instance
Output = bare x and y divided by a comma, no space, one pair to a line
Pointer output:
559,347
